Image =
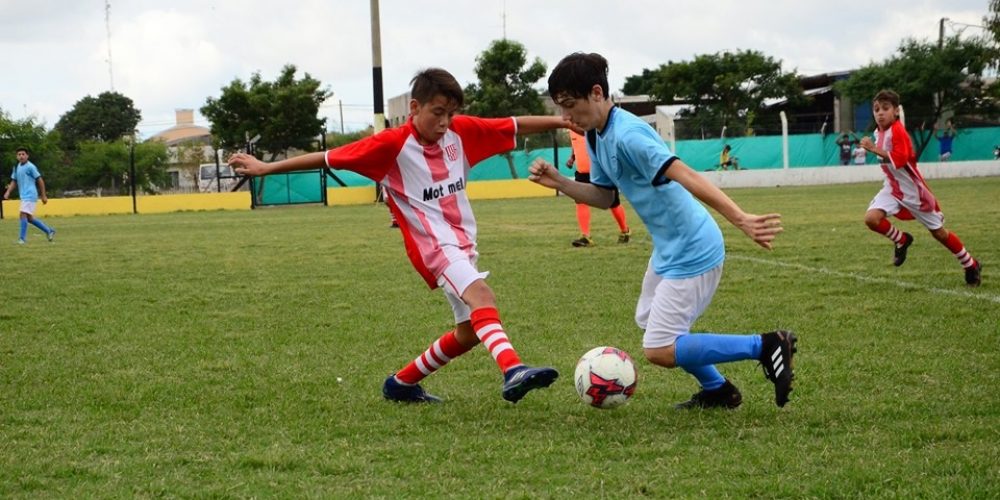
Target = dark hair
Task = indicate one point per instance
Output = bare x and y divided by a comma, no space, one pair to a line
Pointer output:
577,73
887,96
18,150
433,82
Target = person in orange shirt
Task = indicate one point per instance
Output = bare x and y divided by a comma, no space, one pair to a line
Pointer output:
582,160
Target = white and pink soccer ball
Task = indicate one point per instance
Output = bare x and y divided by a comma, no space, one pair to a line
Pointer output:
605,377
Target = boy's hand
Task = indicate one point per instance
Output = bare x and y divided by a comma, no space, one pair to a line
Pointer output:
245,164
763,229
544,173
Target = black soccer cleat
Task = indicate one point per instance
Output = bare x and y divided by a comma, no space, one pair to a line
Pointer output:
899,257
583,242
776,359
973,274
726,397
395,391
518,381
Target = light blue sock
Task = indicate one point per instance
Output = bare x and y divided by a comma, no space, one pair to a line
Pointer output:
701,349
24,228
40,225
708,376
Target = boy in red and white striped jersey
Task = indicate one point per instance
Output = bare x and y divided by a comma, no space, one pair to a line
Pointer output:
423,166
905,195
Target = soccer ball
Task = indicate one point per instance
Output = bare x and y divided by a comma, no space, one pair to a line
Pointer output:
605,377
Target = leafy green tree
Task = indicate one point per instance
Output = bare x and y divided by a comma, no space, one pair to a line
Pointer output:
43,146
723,90
107,117
334,139
992,20
283,112
505,85
104,166
930,81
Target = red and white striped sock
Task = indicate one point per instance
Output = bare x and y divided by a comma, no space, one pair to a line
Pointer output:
486,324
958,249
437,355
889,231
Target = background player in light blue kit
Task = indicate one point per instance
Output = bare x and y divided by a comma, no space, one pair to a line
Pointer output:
688,251
30,188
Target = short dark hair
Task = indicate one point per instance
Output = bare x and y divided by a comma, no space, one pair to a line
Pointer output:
577,73
887,96
433,82
18,150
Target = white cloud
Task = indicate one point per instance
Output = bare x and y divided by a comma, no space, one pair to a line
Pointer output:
176,55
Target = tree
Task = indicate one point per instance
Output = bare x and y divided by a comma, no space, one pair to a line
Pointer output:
505,85
336,139
105,166
930,81
283,112
107,117
44,148
992,21
723,90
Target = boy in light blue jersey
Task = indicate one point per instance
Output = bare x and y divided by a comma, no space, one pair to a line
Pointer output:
688,250
31,188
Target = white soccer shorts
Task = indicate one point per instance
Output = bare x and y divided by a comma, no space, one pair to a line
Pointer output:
886,202
668,307
28,207
455,279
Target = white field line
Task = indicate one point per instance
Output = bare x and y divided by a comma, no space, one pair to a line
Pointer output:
868,279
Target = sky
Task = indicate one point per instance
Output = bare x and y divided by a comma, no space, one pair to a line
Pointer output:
169,55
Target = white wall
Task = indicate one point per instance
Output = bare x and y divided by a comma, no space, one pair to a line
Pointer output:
844,174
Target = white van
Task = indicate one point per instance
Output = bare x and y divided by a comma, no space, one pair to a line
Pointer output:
206,178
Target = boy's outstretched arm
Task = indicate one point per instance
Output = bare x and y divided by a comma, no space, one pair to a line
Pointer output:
245,164
763,229
535,124
546,174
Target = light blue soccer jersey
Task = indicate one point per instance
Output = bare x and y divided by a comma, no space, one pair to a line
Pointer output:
629,155
25,176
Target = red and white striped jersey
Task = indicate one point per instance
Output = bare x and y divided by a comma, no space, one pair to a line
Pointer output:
901,174
427,184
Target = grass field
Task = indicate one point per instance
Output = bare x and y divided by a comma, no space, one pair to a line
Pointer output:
197,355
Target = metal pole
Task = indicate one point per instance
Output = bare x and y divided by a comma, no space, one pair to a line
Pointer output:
131,166
379,124
218,173
340,103
941,33
784,139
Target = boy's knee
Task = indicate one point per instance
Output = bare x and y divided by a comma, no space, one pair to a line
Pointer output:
661,356
872,219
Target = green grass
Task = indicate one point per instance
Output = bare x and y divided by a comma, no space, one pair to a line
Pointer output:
196,355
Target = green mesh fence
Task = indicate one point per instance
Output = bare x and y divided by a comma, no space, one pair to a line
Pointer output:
289,189
805,150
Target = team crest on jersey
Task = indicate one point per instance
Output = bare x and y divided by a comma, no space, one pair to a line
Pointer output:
452,151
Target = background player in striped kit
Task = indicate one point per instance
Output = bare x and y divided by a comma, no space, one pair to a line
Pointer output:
904,194
423,166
